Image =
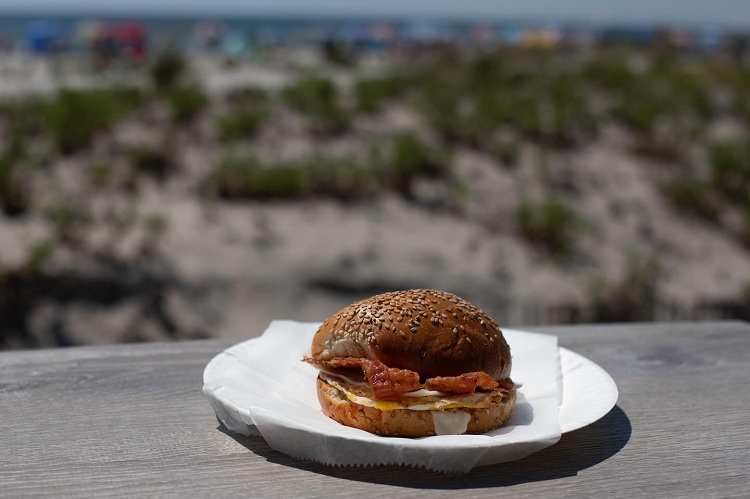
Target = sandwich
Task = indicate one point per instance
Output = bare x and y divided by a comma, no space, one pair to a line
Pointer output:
412,364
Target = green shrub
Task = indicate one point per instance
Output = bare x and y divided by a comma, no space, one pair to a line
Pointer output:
460,192
74,117
486,70
100,173
744,231
642,113
123,221
639,111
671,96
686,87
185,102
317,98
247,96
39,254
633,297
156,225
167,69
411,158
741,105
730,169
24,117
240,124
692,196
245,177
151,161
338,53
77,115
14,198
372,93
563,115
663,149
505,150
439,102
467,104
610,71
338,178
128,98
550,226
310,95
696,95
68,219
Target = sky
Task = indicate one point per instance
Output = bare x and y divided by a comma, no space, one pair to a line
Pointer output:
734,13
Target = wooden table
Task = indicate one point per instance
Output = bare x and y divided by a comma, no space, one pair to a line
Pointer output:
131,420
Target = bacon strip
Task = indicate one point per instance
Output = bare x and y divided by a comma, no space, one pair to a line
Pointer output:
388,383
465,383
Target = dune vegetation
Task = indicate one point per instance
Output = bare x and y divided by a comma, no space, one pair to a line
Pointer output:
93,170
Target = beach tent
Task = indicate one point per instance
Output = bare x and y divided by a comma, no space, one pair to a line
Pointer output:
208,35
131,37
234,43
45,37
383,33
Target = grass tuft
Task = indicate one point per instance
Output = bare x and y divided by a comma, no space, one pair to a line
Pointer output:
550,226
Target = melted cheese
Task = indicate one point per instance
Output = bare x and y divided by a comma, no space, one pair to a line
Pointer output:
423,393
450,423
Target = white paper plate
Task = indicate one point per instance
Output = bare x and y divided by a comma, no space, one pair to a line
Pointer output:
239,383
588,391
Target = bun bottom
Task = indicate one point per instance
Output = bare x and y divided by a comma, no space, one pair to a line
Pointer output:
406,422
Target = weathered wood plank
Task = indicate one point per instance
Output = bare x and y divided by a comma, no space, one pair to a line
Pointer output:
131,420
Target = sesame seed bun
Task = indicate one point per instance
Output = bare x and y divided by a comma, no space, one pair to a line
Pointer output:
427,331
408,422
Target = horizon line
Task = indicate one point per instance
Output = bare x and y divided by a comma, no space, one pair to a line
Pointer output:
311,16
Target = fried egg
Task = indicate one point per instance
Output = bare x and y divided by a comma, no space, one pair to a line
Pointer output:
419,400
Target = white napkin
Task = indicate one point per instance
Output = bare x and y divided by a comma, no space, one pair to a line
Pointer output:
261,387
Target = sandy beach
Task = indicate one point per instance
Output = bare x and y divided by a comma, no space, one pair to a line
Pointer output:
165,258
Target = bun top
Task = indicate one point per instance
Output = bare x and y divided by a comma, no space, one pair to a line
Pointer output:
431,332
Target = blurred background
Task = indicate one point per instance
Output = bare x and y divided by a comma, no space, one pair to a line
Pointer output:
200,169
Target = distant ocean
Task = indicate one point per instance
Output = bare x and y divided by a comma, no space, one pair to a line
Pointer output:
161,30
167,30
179,31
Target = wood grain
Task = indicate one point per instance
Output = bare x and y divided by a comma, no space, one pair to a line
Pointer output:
130,420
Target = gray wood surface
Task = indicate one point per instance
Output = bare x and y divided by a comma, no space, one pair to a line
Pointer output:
131,420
